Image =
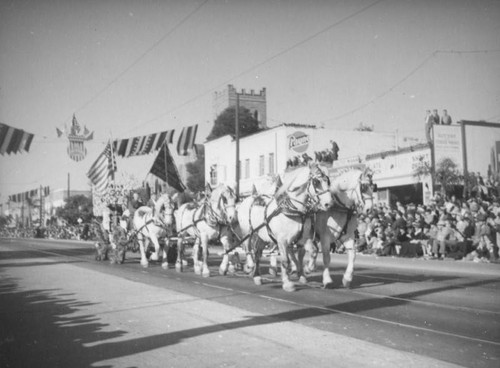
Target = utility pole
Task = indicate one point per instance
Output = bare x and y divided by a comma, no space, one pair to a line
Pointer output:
67,199
237,134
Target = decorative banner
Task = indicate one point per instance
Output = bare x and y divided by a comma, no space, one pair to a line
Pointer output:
76,137
14,140
164,168
142,145
102,170
21,197
186,140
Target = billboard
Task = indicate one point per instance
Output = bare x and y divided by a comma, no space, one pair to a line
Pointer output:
473,145
482,143
448,143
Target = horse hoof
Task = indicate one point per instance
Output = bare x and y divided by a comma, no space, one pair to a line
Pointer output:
289,286
248,269
302,280
222,272
144,264
197,271
273,272
164,265
206,273
178,267
346,283
232,270
257,280
328,285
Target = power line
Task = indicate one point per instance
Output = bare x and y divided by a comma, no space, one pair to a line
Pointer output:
259,64
406,77
137,60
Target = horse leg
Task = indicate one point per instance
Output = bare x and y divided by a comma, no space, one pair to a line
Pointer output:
179,264
257,278
288,285
351,257
156,255
142,245
224,265
165,249
312,249
196,262
205,271
300,268
325,248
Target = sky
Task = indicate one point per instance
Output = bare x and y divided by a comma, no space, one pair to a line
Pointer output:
129,68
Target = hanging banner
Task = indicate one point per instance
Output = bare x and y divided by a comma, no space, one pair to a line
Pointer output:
76,137
14,140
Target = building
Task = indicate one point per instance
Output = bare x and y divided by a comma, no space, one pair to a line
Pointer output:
267,153
255,102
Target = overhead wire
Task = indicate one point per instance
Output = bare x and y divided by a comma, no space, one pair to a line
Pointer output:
405,78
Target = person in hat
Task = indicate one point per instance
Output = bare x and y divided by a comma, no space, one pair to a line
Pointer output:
485,246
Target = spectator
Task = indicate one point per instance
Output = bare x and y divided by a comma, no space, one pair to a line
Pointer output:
445,119
435,117
429,123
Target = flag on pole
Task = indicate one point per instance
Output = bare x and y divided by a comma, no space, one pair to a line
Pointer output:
102,170
186,140
165,169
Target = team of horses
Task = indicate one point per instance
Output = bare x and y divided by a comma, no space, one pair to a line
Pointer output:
300,209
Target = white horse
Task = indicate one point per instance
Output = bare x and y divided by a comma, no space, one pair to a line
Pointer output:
284,218
152,225
352,193
209,220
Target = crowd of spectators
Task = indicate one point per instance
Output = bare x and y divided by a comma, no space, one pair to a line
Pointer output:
71,232
446,228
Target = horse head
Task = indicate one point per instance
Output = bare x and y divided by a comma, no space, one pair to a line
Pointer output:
319,187
308,186
164,209
354,189
223,202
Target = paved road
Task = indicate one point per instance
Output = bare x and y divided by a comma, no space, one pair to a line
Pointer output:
60,308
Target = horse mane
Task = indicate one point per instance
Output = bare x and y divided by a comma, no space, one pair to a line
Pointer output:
217,192
161,201
343,182
293,180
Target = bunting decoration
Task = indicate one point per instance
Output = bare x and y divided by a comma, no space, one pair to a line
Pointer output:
165,169
186,140
77,137
13,140
21,197
142,145
102,171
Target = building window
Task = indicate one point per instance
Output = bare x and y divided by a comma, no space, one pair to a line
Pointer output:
213,175
261,165
271,163
247,168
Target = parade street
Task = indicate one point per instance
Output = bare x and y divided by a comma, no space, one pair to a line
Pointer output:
61,308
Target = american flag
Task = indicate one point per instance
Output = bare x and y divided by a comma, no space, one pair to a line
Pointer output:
102,170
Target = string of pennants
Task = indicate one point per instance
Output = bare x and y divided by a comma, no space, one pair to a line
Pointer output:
145,144
21,197
13,140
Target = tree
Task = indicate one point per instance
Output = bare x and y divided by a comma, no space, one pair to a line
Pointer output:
196,173
225,123
78,206
447,175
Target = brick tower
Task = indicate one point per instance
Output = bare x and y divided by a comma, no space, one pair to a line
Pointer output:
256,103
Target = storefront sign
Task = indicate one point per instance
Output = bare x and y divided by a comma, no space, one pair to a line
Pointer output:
298,142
